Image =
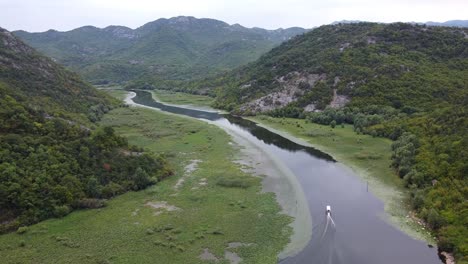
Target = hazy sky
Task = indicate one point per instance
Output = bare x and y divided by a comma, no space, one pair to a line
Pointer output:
41,15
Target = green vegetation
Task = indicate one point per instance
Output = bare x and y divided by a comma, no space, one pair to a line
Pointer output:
52,158
179,98
174,49
431,158
164,222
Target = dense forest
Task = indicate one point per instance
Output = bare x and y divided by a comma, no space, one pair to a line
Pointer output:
405,82
53,157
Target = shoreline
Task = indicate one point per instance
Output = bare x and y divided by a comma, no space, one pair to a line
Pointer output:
277,179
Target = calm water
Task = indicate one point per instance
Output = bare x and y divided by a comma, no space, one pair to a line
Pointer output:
358,234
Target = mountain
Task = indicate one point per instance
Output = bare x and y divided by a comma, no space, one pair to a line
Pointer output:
53,157
401,81
398,65
450,23
346,22
175,48
45,85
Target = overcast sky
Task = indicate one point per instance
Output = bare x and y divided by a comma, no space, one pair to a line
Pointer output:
41,15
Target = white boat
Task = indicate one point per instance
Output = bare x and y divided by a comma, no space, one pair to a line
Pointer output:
328,210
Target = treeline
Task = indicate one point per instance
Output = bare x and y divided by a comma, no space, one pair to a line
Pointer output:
432,160
51,166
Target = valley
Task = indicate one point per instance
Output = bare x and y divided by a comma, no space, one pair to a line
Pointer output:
194,140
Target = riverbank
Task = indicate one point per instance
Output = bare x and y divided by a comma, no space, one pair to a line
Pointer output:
368,157
210,208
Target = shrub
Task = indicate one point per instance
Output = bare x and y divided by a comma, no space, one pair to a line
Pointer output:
22,230
61,211
434,219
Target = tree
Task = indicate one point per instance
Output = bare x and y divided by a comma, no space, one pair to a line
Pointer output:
141,178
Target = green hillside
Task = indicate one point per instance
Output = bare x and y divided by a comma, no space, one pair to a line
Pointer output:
53,157
172,49
398,65
401,81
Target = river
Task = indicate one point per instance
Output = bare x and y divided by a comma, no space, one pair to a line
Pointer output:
356,233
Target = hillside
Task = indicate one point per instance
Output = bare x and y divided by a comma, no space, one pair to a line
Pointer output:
175,48
405,82
53,159
398,65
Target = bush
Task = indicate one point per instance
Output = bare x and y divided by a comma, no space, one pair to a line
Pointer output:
22,230
61,211
434,220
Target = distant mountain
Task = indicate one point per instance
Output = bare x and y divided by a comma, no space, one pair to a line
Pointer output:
175,48
450,23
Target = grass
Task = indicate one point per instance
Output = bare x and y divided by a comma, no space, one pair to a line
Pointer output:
369,157
178,98
207,216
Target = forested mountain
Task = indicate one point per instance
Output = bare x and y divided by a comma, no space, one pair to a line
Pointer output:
398,65
401,81
171,49
53,159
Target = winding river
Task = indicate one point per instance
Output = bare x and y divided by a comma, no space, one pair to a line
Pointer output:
356,232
